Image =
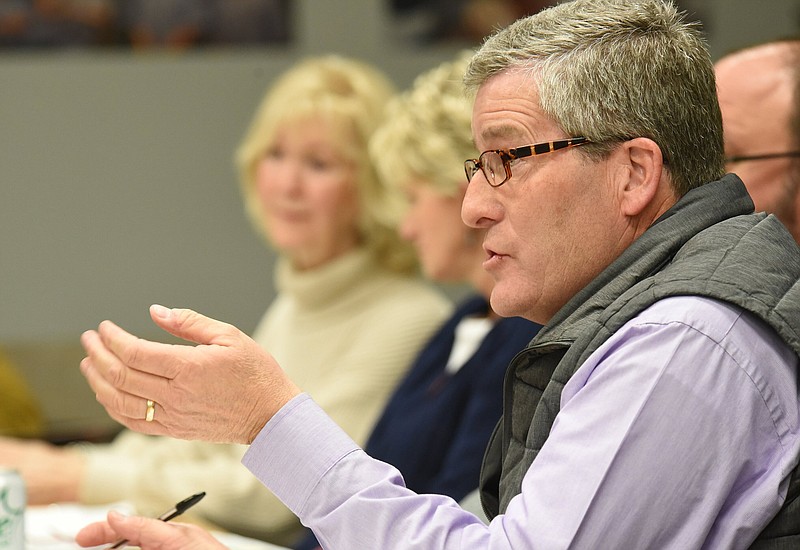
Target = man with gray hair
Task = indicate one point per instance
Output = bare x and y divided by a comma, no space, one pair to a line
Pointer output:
760,104
657,408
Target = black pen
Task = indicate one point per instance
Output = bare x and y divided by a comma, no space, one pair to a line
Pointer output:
179,508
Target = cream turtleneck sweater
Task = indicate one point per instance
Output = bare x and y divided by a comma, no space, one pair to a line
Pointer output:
345,334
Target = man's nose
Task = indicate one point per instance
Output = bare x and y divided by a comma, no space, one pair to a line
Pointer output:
476,210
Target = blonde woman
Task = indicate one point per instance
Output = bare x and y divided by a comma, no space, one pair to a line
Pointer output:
437,423
349,316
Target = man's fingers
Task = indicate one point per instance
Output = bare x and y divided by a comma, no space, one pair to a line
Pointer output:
101,356
192,326
122,391
128,410
139,354
96,534
115,371
136,530
140,530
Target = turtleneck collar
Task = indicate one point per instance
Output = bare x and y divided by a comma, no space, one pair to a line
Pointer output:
316,287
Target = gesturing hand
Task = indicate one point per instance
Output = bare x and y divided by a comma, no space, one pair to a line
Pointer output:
224,389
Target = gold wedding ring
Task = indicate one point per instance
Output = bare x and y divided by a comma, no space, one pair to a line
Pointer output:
151,411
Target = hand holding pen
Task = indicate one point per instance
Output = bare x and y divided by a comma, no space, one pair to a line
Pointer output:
177,510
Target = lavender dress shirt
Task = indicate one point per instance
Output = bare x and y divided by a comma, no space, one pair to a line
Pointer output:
678,432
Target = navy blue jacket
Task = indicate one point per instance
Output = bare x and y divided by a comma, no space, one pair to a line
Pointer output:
435,427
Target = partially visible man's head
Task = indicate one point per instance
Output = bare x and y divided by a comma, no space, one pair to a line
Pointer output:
760,105
611,70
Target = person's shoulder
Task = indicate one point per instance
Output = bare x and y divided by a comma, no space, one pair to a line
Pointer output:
733,328
406,305
413,290
714,315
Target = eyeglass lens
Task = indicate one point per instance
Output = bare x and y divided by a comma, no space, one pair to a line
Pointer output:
493,168
491,164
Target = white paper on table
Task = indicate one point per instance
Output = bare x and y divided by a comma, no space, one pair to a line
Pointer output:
54,527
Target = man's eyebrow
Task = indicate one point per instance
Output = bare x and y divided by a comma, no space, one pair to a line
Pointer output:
502,131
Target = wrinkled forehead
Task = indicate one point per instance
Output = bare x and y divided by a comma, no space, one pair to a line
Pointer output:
507,108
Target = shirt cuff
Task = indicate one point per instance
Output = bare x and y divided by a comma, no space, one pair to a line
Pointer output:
295,449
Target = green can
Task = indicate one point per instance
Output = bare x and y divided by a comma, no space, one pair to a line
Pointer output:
12,510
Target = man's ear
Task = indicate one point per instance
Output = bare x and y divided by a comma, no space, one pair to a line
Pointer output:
639,172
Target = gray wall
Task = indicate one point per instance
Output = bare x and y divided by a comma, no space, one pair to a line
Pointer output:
117,182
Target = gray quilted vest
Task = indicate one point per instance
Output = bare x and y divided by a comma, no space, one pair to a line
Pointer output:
708,244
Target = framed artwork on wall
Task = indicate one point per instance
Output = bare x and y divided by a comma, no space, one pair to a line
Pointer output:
143,24
429,22
435,22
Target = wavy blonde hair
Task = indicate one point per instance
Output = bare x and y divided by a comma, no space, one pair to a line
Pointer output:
351,96
427,132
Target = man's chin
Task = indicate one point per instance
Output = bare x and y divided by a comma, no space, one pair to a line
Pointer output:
504,306
510,304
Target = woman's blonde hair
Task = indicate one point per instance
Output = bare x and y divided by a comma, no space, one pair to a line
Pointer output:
351,97
426,135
